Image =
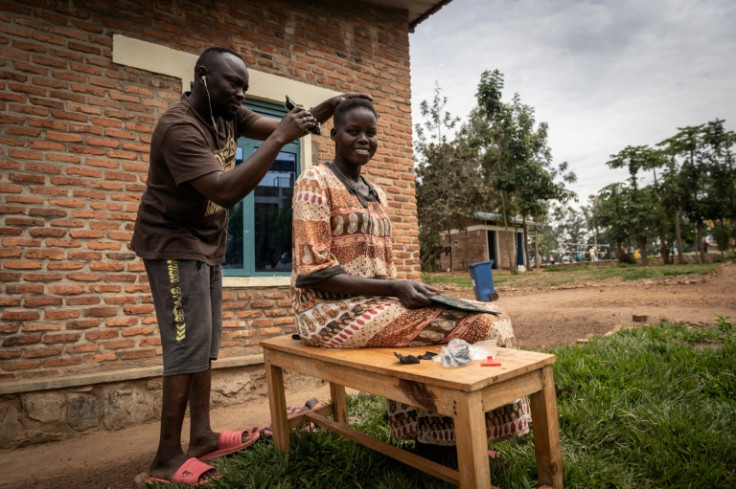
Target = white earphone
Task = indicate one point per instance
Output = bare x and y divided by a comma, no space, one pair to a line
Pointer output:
212,116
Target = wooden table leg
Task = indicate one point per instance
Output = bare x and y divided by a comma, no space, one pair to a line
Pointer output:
277,404
547,432
339,403
472,444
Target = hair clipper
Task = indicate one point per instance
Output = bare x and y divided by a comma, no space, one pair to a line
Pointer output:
291,105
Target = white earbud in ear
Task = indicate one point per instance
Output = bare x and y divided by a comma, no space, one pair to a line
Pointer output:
212,116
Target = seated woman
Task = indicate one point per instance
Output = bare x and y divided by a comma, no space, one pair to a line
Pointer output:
345,291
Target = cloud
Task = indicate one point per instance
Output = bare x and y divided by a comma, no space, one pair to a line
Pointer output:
603,74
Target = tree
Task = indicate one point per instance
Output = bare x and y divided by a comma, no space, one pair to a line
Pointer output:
641,210
717,145
515,158
676,187
612,208
448,190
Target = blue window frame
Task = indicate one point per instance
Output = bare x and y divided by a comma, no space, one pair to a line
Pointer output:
259,227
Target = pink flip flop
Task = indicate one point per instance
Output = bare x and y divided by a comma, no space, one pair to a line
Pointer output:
188,473
231,442
266,431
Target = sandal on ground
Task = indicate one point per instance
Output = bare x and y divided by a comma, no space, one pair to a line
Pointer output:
231,442
190,472
266,431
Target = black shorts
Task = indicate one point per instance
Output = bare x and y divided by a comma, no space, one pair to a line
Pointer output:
187,296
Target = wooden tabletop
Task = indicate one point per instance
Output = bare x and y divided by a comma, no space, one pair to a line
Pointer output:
470,377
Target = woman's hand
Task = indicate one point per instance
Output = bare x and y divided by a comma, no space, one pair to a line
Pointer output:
413,294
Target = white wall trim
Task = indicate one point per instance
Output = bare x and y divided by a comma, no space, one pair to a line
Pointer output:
163,60
239,282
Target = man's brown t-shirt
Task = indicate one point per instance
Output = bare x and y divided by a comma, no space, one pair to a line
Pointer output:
174,220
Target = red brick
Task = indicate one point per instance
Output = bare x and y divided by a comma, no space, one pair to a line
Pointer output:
99,312
103,288
41,277
41,301
121,299
121,321
249,314
23,264
62,362
270,331
84,277
24,199
26,339
61,338
24,289
66,289
63,243
48,233
20,365
8,355
65,265
107,267
138,354
84,255
142,331
50,254
83,300
34,326
276,312
41,352
118,344
22,315
83,324
23,242
61,314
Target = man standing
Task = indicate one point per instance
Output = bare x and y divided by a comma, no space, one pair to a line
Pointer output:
180,233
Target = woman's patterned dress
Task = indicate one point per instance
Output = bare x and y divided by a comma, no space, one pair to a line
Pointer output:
338,230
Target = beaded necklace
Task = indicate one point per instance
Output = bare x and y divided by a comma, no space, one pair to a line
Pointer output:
354,185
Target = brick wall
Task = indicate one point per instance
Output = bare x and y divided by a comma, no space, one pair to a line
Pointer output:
74,143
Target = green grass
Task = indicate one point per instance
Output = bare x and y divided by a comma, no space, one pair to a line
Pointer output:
572,276
652,407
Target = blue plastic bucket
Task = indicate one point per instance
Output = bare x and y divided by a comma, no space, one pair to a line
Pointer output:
480,274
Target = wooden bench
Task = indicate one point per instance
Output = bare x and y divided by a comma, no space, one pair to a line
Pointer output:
464,393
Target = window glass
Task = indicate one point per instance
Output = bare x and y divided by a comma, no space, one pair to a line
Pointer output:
259,227
272,209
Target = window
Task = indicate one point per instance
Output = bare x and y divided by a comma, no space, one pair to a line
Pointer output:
259,227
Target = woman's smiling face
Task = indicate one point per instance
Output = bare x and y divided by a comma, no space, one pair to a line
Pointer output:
355,136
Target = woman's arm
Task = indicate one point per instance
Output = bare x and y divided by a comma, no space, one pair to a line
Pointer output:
412,294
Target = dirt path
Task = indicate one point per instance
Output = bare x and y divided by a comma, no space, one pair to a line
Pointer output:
543,317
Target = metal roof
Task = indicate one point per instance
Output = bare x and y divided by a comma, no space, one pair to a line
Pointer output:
419,10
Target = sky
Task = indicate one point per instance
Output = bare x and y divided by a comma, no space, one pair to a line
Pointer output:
603,74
